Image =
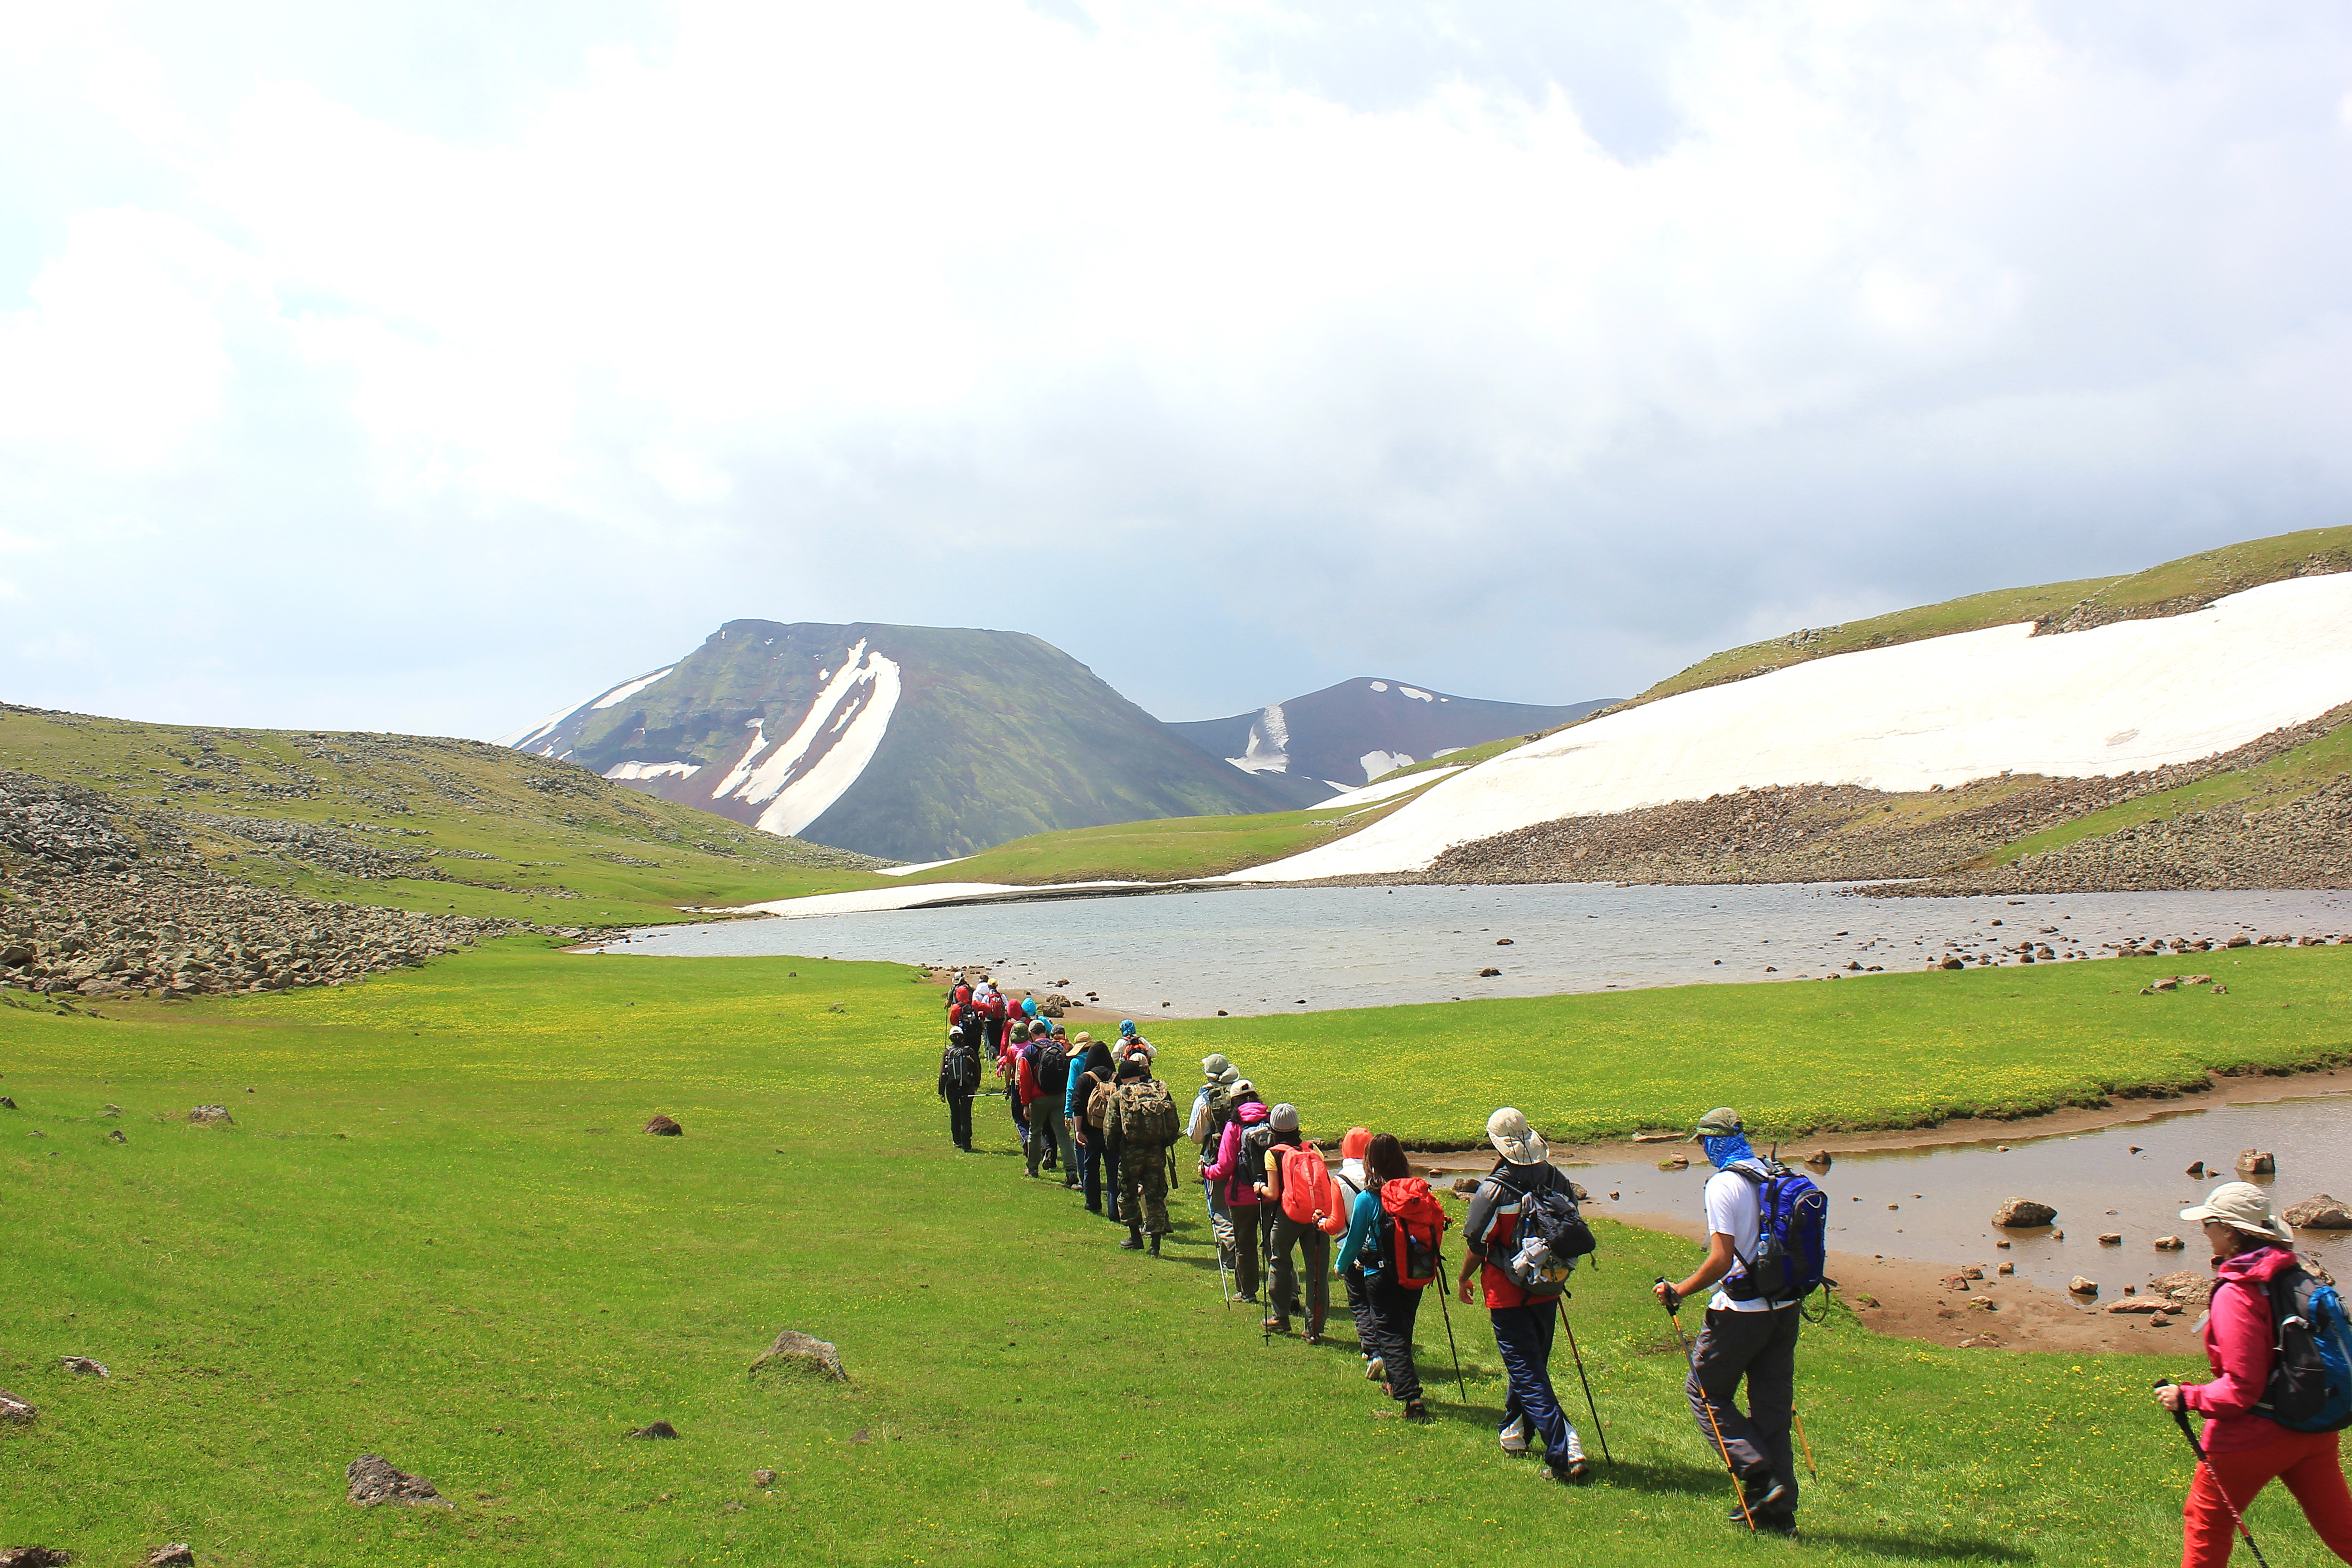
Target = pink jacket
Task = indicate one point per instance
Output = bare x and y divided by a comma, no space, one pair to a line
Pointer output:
1227,1166
2238,1343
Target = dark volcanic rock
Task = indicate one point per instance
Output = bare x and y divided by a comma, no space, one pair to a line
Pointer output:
373,1481
656,1429
663,1127
33,1557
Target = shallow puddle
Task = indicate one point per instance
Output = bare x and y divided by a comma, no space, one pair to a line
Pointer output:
2127,1180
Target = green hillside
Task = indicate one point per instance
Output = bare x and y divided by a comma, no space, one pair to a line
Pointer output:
445,827
434,1233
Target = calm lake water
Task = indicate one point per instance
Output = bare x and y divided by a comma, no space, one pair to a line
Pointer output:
2125,1180
1275,950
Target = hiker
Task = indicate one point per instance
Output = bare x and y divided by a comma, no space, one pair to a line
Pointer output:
1745,1335
1351,1180
1212,1109
1140,1126
1524,1323
1097,1117
960,997
1394,1221
1093,1078
1073,1052
2245,1449
1301,1205
959,1081
1008,1074
991,1002
1131,1042
1240,1195
1039,1057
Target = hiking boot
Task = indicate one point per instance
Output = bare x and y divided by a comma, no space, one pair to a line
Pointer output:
1765,1494
1134,1242
1275,1325
1414,1410
1575,1472
1779,1522
1514,1436
1155,1246
1376,1369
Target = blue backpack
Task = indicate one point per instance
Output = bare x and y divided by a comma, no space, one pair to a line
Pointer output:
2310,1386
1792,1236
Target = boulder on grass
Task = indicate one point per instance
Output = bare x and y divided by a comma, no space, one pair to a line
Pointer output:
663,1127
204,1114
2321,1212
33,1557
177,1554
656,1429
16,1411
2023,1214
795,1352
373,1481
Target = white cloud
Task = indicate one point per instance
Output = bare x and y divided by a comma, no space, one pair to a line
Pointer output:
1567,342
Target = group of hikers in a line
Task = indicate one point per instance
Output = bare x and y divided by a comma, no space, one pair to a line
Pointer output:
1278,1211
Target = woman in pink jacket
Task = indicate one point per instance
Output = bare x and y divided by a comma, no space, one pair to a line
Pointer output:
1241,1196
2245,1450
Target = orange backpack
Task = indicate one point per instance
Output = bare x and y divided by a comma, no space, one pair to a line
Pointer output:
1413,1223
1307,1191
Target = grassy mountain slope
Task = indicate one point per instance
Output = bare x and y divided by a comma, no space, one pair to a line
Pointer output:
411,822
2191,582
993,736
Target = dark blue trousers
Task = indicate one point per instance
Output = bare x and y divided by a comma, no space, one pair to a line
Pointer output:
1524,1335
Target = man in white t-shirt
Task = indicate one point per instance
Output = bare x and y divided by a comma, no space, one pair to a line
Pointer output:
1744,1335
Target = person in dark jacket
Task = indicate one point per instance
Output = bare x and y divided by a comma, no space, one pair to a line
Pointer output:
1386,1326
1524,1325
959,1081
2244,1450
1093,1077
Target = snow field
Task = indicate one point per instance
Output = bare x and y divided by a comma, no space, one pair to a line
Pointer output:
2119,699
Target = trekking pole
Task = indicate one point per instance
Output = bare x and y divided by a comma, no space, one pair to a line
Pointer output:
1443,1291
2198,1448
1578,1357
1794,1414
1673,1304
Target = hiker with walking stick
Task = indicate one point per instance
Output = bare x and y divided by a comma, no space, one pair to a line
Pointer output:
1750,1328
1394,1231
1523,1302
2269,1411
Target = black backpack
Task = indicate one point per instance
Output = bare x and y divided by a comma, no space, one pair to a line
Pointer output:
1547,1213
962,1068
1052,1068
1251,1159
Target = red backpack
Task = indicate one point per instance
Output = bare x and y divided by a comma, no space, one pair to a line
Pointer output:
1412,1223
1309,1193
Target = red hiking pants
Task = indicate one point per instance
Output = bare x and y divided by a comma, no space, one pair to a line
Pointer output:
2305,1461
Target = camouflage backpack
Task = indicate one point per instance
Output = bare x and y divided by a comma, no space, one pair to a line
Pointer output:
1146,1116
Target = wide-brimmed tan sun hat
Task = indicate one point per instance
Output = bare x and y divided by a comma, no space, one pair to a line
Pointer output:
1514,1140
1215,1067
1721,1123
2244,1207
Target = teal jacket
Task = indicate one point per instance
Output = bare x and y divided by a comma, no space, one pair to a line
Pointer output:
1361,1221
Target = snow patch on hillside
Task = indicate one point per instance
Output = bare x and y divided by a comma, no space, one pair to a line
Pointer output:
1268,748
522,738
1416,693
1386,789
825,755
1375,763
2120,699
629,689
623,772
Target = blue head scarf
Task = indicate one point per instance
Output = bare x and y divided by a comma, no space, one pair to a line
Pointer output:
1721,1151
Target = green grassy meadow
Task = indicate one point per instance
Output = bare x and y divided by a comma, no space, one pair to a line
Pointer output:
434,1233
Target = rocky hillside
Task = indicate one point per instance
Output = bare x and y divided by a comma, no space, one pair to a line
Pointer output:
1310,748
162,858
911,743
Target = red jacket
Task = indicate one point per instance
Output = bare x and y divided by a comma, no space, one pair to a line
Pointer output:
1027,1055
2238,1343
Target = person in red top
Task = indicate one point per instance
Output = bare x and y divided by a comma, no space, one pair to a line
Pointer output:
2245,1450
992,1022
1039,1142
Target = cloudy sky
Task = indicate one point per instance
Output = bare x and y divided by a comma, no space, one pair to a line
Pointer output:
428,365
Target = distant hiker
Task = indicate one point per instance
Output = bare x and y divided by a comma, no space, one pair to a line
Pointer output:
1351,1180
1212,1109
1525,1321
961,996
1393,1234
1008,1073
1091,1079
1044,1126
959,1081
1300,1200
991,1002
1071,1054
1747,1334
1029,1005
1241,1194
1140,1125
1129,1041
2256,1429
